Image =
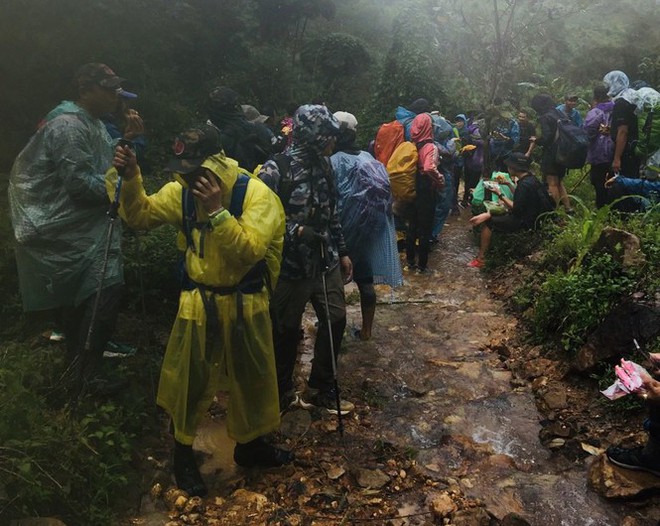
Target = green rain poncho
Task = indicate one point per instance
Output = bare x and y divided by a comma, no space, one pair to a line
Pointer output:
191,375
59,207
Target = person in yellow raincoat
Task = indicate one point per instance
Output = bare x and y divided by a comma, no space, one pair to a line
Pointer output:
222,335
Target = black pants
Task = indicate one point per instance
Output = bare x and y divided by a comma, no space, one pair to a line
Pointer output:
76,321
420,223
287,307
599,173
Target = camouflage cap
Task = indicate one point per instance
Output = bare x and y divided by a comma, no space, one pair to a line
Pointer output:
192,147
97,73
313,124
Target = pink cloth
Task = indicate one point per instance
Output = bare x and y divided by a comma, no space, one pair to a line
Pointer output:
421,131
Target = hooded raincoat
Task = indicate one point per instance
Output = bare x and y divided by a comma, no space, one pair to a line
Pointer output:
242,361
58,207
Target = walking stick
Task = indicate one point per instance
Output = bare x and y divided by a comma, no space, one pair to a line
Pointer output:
112,216
324,262
584,176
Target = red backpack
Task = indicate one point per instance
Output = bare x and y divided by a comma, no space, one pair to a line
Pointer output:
389,136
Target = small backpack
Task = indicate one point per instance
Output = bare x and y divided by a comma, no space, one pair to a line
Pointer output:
402,169
572,143
389,136
649,131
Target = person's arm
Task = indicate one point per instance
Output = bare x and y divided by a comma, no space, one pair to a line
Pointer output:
140,211
619,146
69,143
504,199
592,123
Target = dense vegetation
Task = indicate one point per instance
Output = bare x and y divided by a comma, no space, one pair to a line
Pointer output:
363,56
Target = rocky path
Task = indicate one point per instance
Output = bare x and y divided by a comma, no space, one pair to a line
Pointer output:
441,434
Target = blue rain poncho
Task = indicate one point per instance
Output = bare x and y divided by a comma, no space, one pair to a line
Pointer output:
242,362
365,212
58,207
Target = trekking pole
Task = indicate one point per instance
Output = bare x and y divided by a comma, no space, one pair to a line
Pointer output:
112,216
584,176
324,272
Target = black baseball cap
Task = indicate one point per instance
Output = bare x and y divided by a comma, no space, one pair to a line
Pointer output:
518,161
192,147
97,73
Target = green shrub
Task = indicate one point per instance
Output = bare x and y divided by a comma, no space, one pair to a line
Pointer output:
57,460
571,304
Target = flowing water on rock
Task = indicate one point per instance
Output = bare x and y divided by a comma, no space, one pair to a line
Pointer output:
436,391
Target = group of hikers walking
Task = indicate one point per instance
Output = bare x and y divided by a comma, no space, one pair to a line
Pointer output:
271,218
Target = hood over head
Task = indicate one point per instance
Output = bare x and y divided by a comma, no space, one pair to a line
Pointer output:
314,127
422,128
542,103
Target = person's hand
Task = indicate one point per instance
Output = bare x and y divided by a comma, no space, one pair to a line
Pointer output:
616,165
207,189
481,218
307,235
346,268
134,125
609,183
651,388
125,162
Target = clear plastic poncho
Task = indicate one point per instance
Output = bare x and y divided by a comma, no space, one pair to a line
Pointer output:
365,212
58,206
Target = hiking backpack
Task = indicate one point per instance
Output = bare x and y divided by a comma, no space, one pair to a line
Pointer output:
402,169
572,143
389,136
649,131
365,198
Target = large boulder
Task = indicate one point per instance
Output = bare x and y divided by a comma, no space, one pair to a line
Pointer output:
623,246
613,482
631,319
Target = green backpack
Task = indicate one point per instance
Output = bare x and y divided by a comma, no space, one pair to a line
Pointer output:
649,131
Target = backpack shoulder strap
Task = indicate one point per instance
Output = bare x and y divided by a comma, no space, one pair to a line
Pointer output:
188,216
238,195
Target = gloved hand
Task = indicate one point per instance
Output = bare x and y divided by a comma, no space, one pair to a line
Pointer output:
308,235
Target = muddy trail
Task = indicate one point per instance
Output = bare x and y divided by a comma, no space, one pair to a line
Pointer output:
443,433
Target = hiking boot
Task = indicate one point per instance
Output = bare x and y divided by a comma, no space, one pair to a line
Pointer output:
424,271
118,350
259,453
410,266
476,263
186,472
326,400
633,458
288,400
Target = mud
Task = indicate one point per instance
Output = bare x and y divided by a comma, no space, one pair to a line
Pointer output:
436,410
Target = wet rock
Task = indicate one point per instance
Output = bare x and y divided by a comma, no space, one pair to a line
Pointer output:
471,517
556,443
623,246
37,521
617,483
248,500
536,367
441,505
371,478
631,319
295,423
513,519
554,396
335,472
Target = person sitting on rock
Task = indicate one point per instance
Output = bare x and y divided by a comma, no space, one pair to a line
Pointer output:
646,457
530,200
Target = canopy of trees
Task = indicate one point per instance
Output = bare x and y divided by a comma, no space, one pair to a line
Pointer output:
363,56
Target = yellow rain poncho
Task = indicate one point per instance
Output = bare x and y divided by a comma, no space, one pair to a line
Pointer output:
241,361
